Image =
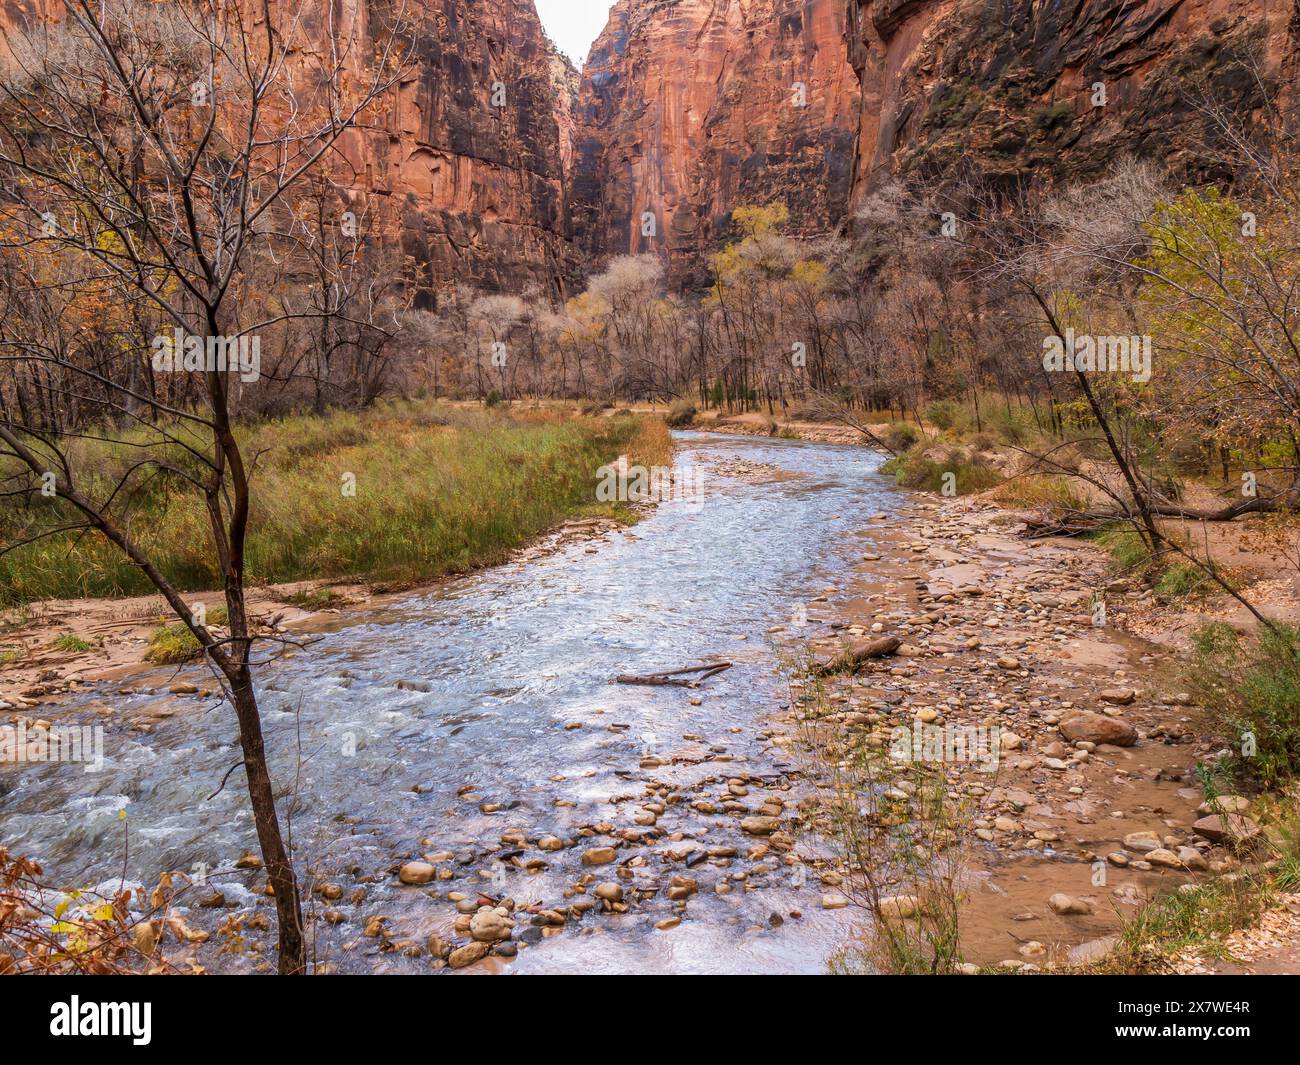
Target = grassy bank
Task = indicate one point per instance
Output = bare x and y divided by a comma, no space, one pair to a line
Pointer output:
437,491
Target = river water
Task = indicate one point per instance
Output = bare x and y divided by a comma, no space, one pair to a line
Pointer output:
389,734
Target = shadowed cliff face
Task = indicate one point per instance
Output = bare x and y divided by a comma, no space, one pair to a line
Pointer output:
1009,88
474,192
689,108
473,189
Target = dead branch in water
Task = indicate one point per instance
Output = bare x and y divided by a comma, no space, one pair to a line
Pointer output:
674,676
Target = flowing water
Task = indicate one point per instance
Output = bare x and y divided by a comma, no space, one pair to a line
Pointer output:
389,734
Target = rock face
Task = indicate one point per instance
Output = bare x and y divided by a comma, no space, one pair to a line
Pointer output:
1025,90
470,187
464,163
689,108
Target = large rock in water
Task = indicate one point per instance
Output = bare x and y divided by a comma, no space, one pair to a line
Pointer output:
1098,728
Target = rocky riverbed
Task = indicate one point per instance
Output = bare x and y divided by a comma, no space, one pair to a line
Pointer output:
469,792
1091,806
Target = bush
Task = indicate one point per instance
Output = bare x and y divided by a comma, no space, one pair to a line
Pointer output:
172,644
899,436
1013,426
928,468
1254,688
944,413
681,414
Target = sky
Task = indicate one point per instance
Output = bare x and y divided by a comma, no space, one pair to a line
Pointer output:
574,24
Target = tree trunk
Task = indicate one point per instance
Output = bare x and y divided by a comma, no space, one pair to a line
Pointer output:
279,866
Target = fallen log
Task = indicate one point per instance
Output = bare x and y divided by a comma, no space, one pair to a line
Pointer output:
675,677
850,660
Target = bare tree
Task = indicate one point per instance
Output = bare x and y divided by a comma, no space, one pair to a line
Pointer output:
143,150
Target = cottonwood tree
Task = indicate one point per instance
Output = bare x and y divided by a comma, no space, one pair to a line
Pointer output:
143,150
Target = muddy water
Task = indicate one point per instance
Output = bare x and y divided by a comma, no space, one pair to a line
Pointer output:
390,735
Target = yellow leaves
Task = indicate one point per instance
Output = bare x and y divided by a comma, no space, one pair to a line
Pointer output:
756,222
810,272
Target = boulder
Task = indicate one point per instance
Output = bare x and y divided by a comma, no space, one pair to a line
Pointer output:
1098,728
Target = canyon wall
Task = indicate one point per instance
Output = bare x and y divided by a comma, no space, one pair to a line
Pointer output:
689,108
473,186
1022,90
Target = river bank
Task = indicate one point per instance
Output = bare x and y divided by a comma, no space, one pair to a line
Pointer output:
1097,805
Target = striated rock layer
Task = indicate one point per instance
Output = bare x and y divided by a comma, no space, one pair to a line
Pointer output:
689,108
1009,88
473,192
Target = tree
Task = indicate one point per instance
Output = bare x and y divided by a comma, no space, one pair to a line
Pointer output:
143,151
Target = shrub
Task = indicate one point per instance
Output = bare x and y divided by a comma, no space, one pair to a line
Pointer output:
1254,688
928,468
681,413
899,435
944,413
172,644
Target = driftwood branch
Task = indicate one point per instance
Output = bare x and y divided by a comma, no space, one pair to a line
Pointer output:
675,677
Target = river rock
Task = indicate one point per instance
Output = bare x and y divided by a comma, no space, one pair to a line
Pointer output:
1098,728
415,873
1117,696
1164,857
899,906
760,826
1142,842
1227,828
599,856
468,954
490,926
1224,804
610,892
1066,906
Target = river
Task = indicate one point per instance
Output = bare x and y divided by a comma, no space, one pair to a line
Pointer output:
392,731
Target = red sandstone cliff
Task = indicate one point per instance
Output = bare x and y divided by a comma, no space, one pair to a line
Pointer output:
689,108
476,192
1007,87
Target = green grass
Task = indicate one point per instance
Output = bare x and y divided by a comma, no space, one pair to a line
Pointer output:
69,642
913,469
437,491
1252,686
1193,919
172,644
315,599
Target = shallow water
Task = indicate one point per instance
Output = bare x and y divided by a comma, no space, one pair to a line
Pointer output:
510,657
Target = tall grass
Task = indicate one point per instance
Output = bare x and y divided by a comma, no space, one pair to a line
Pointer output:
437,491
1253,688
